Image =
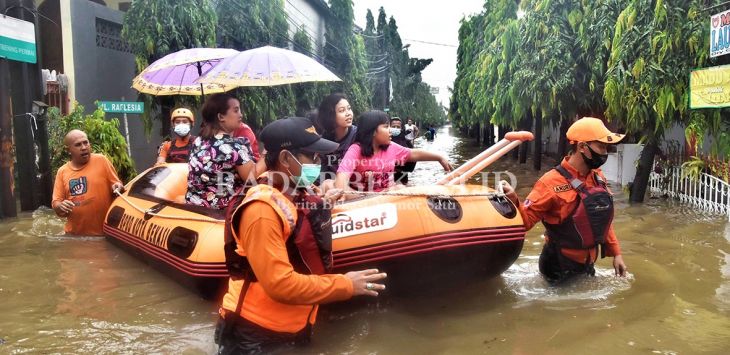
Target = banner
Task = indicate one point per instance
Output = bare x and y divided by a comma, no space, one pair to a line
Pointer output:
710,87
720,34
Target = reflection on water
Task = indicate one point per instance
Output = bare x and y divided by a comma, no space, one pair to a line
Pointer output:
69,295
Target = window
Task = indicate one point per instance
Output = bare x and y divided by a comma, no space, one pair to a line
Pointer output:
109,35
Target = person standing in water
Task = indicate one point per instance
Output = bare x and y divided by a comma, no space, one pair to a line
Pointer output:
84,187
277,284
398,136
575,206
411,132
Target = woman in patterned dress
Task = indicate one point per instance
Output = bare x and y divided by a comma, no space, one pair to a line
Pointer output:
219,163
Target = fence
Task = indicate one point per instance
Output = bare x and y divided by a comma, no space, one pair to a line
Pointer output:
705,192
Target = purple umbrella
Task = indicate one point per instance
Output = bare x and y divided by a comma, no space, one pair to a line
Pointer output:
176,73
267,66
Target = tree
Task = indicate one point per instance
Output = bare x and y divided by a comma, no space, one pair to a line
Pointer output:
154,29
346,51
251,24
655,44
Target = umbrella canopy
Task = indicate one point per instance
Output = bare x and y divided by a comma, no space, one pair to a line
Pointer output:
176,73
266,66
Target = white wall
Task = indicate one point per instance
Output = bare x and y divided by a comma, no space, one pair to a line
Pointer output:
302,15
551,135
621,166
676,133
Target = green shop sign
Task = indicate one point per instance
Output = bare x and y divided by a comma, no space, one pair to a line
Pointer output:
17,40
121,107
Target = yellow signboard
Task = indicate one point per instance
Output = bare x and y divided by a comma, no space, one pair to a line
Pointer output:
710,87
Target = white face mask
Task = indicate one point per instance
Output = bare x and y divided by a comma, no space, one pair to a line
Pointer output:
395,132
182,129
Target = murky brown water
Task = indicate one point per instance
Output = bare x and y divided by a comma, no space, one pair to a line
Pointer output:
70,295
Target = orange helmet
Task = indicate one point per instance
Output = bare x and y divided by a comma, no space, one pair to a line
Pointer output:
182,112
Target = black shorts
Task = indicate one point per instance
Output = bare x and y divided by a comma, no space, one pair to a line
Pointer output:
240,336
556,267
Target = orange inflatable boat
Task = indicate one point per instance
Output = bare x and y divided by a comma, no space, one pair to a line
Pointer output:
429,231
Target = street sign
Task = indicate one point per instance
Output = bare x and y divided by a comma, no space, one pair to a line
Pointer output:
121,107
434,91
17,40
386,109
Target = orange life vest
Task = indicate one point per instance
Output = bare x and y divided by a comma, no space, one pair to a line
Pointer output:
257,306
179,154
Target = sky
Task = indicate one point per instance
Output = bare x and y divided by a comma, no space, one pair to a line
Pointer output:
430,21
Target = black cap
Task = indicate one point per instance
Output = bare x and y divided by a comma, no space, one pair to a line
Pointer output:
295,133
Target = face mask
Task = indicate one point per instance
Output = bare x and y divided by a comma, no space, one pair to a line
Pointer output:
182,129
309,174
394,131
597,159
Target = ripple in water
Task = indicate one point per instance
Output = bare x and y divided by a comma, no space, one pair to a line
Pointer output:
523,279
46,224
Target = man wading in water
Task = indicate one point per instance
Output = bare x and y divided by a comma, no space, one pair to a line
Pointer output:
575,205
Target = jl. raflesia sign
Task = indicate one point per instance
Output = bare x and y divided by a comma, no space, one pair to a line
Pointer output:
364,220
17,39
710,87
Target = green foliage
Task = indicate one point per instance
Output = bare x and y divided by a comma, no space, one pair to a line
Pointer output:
693,168
345,51
104,136
626,59
393,73
154,29
251,24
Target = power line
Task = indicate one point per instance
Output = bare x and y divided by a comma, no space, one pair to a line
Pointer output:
433,43
285,37
309,34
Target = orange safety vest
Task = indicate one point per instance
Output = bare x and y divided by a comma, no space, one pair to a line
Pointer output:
257,306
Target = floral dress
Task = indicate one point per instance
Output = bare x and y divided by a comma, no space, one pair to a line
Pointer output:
212,176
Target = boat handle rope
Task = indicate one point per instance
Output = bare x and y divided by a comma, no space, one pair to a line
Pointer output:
360,193
417,194
149,212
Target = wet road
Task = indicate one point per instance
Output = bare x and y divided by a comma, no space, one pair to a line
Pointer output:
70,295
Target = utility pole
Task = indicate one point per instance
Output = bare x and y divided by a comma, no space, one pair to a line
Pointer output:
7,195
29,90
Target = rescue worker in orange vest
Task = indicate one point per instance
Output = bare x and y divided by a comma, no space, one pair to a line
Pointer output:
278,249
575,206
178,149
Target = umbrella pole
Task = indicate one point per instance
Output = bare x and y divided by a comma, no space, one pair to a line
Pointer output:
268,104
199,65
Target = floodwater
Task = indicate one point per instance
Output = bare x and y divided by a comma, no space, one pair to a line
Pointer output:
69,295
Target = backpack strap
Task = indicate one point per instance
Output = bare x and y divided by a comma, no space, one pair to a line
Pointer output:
574,182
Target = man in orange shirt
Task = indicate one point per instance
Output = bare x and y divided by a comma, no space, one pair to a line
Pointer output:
178,149
273,294
84,187
575,206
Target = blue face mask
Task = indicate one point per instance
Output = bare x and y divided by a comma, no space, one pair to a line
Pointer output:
309,174
395,132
